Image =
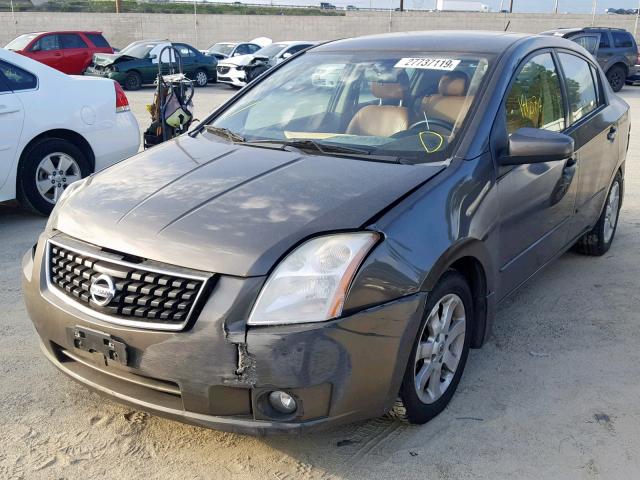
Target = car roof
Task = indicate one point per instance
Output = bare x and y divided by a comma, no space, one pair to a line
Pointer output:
291,42
62,31
441,40
569,30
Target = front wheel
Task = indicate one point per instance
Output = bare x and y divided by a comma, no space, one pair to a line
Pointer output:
49,167
616,77
598,241
440,351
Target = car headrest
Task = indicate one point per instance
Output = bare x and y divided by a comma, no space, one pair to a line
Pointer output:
453,84
390,88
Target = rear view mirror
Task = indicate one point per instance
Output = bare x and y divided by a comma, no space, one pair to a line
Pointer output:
534,145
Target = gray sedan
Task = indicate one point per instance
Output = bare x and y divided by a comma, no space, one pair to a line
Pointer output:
337,236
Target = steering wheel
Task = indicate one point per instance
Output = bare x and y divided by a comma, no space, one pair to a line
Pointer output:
434,122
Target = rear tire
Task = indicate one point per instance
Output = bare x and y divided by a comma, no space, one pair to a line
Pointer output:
46,169
201,78
598,241
133,81
616,76
440,351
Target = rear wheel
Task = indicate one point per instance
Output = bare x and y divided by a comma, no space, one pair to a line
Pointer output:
49,167
133,81
616,77
201,78
598,241
440,351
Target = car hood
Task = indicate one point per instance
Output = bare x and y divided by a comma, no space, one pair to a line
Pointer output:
103,59
237,61
206,204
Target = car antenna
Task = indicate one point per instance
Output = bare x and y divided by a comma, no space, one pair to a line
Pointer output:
506,27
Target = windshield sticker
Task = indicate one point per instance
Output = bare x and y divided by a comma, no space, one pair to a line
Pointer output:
428,63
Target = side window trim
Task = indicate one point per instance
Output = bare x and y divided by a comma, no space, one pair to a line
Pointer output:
8,83
521,65
563,81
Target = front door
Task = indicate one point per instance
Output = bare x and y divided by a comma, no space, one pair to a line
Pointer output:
536,200
47,50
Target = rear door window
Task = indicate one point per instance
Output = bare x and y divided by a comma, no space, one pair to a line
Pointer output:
98,40
17,78
581,88
622,39
535,98
71,40
604,40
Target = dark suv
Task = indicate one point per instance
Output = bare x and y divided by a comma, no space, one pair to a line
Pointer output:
615,50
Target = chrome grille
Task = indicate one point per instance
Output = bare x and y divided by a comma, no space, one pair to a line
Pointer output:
145,297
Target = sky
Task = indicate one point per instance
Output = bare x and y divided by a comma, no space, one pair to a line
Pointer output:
573,6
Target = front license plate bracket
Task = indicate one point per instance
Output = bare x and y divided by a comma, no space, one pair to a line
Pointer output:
93,341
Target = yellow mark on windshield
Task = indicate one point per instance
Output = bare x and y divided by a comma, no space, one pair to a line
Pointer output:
439,138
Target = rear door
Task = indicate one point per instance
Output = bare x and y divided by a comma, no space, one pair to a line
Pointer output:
593,127
605,50
47,50
536,200
77,55
11,114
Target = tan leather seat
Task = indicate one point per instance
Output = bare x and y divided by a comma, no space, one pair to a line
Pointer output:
451,99
382,120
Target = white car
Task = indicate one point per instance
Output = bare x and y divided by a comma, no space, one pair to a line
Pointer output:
56,129
240,70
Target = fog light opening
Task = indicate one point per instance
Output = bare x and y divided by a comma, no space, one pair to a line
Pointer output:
282,402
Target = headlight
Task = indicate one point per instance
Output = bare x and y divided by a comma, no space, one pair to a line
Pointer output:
311,283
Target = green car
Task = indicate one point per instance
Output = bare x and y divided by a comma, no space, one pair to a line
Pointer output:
137,64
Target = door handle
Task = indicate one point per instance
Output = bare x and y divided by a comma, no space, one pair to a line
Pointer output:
611,136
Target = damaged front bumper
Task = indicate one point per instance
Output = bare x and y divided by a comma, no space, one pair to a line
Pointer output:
219,372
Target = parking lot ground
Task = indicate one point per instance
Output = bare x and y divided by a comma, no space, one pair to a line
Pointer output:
554,394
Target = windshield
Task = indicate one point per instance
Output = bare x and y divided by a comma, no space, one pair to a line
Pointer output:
271,51
137,50
21,42
407,105
223,48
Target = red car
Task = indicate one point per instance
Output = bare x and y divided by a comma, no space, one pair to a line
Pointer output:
70,52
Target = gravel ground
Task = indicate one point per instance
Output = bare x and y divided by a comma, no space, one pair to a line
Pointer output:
554,393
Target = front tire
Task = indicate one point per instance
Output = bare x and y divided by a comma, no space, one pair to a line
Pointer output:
440,351
598,241
47,168
616,77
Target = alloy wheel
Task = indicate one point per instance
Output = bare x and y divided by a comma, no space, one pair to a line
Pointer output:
54,173
201,78
611,212
440,349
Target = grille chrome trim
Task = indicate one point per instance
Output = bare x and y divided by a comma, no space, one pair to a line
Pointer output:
111,258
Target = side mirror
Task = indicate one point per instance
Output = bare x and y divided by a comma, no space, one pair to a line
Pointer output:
153,56
286,54
534,145
35,48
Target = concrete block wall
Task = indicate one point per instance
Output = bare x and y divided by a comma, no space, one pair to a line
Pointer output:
125,28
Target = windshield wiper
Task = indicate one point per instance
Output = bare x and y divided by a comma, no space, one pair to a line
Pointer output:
326,149
224,133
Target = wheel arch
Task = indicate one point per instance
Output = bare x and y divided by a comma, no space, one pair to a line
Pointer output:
619,63
64,134
471,259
